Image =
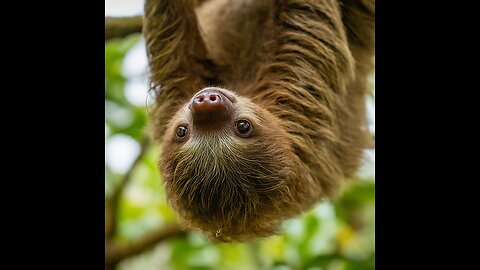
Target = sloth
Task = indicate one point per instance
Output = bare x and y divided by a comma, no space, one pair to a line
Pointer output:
260,106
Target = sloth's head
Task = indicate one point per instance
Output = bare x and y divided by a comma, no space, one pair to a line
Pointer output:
227,166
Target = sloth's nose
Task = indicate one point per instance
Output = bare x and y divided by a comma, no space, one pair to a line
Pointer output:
210,108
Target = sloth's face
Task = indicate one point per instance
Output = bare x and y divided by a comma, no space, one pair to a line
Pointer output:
226,163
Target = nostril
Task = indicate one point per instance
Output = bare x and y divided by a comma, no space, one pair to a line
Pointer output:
213,97
210,110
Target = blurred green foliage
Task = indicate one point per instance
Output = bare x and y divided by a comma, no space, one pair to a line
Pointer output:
335,235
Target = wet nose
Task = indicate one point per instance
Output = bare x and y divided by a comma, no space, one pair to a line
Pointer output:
210,108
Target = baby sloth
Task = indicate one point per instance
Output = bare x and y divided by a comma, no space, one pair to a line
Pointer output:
289,130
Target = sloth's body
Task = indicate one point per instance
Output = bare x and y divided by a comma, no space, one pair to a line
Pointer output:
289,129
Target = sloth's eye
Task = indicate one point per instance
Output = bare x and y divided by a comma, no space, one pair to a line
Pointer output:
243,127
181,131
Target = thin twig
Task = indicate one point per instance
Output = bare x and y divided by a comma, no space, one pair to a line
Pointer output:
111,207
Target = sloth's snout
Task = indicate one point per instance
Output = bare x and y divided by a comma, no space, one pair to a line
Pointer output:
210,109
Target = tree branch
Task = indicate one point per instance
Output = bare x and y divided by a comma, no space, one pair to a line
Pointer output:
118,27
115,252
111,207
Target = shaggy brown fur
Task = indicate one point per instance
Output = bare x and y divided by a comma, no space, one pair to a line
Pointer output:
298,72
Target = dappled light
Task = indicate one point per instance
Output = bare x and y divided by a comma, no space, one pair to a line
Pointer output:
336,234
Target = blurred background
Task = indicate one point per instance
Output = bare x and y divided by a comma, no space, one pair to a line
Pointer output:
140,228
